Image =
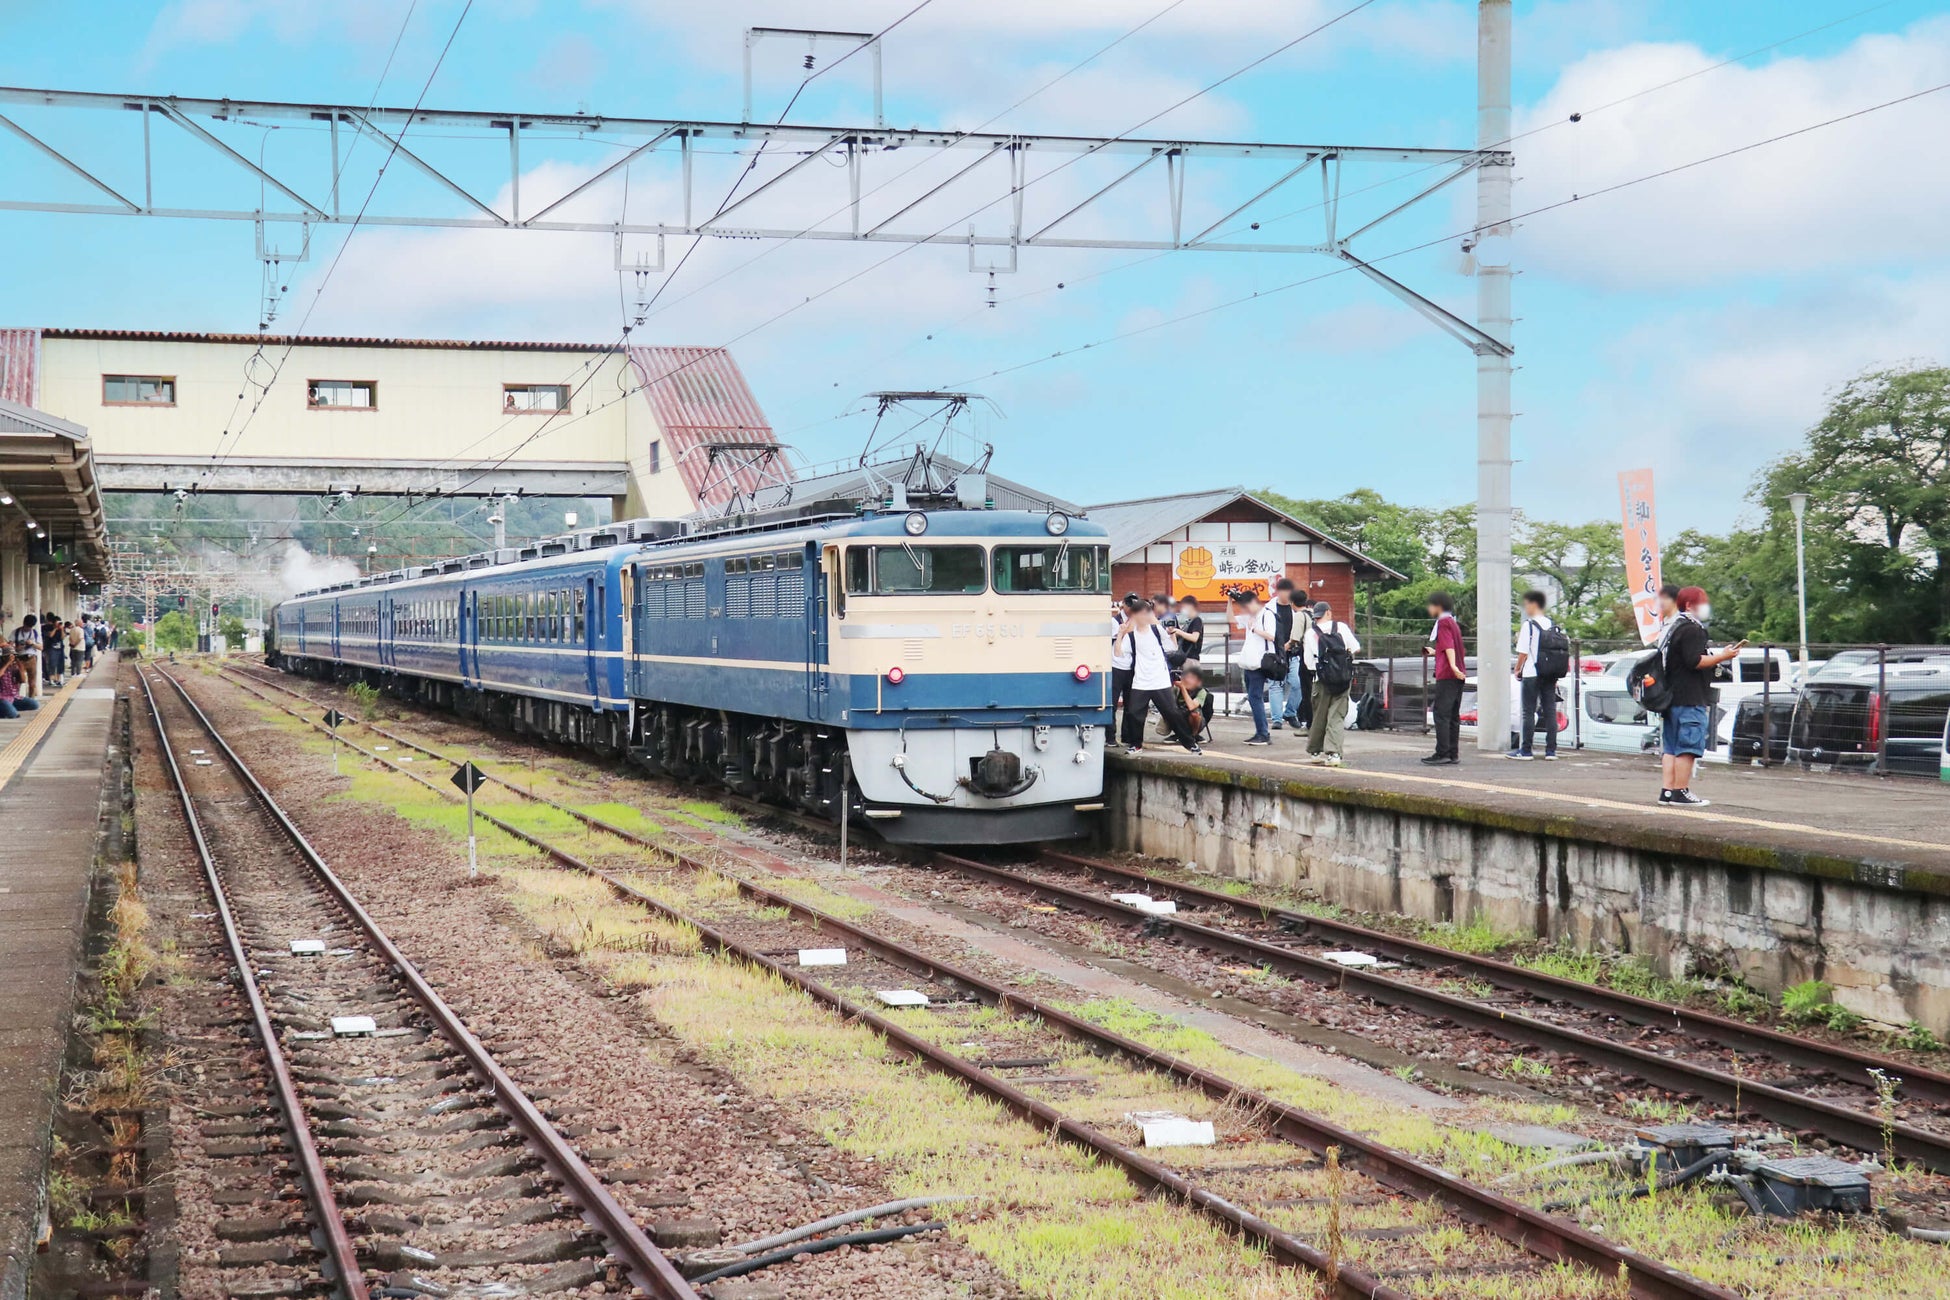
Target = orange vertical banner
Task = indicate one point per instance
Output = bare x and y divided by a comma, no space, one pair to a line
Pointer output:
1641,550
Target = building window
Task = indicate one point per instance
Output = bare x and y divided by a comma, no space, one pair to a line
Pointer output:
138,390
517,398
342,394
656,457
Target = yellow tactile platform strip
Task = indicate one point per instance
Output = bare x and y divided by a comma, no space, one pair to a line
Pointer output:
16,750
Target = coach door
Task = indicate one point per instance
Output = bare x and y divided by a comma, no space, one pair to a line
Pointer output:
335,629
469,637
825,579
588,614
385,647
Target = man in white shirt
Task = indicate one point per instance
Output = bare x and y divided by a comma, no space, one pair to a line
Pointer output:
1260,627
1150,682
1329,649
1120,650
1538,693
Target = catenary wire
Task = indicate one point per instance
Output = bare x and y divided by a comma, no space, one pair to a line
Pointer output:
277,371
1257,295
1072,281
908,248
613,348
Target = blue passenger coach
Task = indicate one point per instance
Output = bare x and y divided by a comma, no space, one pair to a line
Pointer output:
946,668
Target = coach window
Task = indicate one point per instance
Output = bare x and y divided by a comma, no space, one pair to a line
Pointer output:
928,570
581,627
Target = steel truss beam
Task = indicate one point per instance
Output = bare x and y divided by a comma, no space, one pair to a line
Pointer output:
457,205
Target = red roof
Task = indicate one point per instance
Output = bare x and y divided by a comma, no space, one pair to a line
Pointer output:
325,341
20,352
700,397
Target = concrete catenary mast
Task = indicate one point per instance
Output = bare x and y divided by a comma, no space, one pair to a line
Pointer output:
1495,624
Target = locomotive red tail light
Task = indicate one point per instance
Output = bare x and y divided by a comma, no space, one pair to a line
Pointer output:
1082,673
896,675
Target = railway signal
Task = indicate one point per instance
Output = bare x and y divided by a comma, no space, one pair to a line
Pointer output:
332,719
469,779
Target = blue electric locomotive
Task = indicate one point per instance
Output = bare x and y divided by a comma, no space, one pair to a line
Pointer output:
940,673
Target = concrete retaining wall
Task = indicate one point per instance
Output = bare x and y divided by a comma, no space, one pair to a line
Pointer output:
1878,932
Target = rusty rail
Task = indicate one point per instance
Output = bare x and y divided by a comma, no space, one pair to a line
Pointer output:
1546,1236
641,1259
1918,1081
341,1263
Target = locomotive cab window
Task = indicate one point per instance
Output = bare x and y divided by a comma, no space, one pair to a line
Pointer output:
1055,567
915,570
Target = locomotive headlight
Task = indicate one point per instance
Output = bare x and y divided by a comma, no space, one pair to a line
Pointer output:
1056,524
896,675
916,523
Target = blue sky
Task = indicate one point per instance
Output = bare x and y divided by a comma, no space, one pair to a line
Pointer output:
1692,323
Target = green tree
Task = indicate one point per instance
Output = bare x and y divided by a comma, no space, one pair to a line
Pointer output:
231,628
1876,469
1586,565
175,630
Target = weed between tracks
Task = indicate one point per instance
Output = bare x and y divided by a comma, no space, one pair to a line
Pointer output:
1055,1219
1058,1221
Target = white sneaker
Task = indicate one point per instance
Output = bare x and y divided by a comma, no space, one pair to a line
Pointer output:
1333,760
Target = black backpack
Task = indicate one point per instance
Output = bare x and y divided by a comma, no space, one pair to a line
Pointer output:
1333,662
1648,683
1553,651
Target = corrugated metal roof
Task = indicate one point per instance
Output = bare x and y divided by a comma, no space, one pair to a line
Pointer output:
20,356
1136,524
699,397
324,341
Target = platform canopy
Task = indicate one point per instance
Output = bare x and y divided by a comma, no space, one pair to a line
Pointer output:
48,468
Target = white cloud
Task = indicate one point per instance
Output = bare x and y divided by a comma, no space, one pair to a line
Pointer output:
1708,396
1860,193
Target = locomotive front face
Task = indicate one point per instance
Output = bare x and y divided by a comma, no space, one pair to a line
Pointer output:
976,676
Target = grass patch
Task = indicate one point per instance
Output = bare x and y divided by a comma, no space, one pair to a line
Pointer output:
1811,1002
1566,964
1478,937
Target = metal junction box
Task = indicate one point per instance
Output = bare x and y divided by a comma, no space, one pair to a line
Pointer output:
1675,1146
1802,1184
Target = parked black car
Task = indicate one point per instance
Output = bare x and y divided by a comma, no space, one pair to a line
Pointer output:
1841,718
1761,726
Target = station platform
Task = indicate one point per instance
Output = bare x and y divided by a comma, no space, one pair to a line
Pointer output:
1755,812
53,787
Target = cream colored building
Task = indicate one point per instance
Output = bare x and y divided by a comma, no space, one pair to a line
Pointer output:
248,414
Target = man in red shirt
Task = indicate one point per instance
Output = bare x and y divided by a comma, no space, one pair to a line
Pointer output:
1446,644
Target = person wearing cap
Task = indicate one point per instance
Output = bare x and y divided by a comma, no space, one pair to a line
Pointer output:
1335,642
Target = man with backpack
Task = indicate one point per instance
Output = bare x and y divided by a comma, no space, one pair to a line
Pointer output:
1150,682
1543,658
1329,650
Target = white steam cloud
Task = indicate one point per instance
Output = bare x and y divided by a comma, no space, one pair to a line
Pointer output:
300,570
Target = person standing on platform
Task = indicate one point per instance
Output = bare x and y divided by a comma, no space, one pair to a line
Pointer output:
1120,650
1330,648
54,650
1543,657
1279,705
1188,631
1689,664
1446,644
1256,620
1150,682
1299,682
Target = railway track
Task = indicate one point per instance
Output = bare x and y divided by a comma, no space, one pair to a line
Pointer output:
1277,949
444,1166
1528,1241
1617,1031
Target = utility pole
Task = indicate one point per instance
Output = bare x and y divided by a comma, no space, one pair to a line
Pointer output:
1495,623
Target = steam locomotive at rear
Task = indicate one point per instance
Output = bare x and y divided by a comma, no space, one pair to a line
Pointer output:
939,673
